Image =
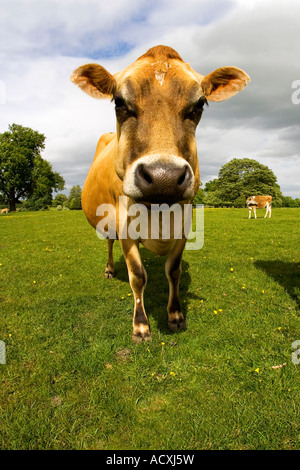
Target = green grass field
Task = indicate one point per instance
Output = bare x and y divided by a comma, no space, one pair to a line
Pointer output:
74,380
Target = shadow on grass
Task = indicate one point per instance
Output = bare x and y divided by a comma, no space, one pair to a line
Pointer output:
286,274
157,290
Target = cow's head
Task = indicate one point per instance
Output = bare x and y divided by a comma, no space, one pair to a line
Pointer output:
159,101
250,201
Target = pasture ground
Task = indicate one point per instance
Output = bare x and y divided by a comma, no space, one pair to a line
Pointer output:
74,380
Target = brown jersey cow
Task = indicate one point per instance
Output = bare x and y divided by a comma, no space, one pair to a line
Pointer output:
259,202
152,158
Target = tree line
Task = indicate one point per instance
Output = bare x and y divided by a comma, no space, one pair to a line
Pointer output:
239,179
27,180
61,201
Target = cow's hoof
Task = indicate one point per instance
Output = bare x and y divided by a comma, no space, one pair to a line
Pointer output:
108,274
176,322
139,336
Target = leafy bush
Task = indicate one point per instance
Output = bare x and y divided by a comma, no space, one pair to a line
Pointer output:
74,198
38,204
75,203
59,199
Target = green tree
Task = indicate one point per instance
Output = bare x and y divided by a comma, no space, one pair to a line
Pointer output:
45,180
240,178
59,200
211,185
75,197
212,199
198,199
211,196
288,201
23,172
18,148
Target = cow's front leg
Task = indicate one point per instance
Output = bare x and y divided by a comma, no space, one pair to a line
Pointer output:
109,270
176,319
138,279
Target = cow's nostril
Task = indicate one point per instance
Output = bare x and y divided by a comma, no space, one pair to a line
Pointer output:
156,181
144,174
147,177
181,179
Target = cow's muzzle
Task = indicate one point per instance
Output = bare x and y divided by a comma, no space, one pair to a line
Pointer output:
159,179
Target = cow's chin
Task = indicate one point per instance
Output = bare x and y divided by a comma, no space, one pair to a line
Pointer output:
158,199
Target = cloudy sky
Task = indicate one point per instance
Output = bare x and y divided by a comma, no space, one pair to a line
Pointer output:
43,41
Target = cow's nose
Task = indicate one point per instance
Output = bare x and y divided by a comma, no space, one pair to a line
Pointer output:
163,184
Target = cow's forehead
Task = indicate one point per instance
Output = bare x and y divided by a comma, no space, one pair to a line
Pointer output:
145,77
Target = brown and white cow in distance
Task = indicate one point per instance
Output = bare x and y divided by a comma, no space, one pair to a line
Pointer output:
259,202
152,158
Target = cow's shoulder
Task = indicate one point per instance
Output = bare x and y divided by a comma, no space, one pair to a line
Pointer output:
102,185
103,142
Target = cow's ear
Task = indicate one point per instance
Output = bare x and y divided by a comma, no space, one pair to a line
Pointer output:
224,83
95,81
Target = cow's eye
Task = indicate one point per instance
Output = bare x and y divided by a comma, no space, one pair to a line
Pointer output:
123,111
119,103
194,112
200,103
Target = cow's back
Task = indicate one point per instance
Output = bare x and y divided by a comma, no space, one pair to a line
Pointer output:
263,201
104,140
102,185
